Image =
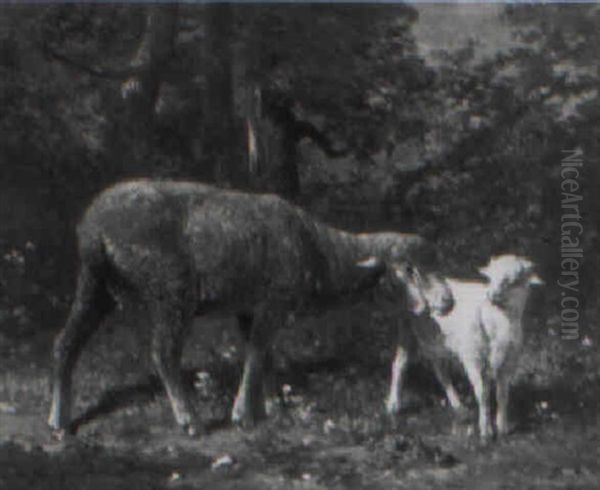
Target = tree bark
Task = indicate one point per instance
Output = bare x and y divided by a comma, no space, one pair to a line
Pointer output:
223,131
149,62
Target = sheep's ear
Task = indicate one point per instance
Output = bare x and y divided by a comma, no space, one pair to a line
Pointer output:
536,280
369,263
369,273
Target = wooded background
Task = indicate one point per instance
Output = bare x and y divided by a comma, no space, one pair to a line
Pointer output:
447,120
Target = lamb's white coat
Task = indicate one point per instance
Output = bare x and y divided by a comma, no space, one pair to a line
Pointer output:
484,331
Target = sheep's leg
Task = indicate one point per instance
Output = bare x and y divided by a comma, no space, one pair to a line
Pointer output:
245,409
443,377
480,383
249,405
170,296
245,323
404,343
393,402
171,324
91,304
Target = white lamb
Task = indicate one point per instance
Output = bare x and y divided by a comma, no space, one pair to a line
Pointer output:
484,330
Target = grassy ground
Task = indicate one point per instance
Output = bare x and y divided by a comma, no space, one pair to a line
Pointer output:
329,431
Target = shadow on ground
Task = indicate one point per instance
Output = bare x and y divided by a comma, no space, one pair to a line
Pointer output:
328,432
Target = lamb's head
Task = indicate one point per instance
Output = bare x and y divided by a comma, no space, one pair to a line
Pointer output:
509,275
411,271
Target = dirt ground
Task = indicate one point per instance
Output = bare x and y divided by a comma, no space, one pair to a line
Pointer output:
327,432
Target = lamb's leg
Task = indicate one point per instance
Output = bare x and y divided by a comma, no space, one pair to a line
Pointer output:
443,377
405,342
249,405
481,387
502,390
92,302
171,324
504,373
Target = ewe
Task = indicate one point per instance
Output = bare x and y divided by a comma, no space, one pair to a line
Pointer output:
484,331
183,249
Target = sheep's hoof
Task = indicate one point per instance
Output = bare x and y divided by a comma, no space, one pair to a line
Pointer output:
58,435
60,429
248,419
244,420
63,435
58,420
247,415
393,408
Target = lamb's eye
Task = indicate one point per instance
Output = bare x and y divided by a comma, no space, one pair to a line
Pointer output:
410,270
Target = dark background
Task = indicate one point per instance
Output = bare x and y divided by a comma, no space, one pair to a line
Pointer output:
445,120
448,120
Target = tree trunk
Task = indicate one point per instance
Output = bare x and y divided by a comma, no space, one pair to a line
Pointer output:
153,54
134,136
266,149
223,132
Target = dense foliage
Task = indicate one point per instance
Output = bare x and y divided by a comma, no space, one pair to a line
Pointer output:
462,147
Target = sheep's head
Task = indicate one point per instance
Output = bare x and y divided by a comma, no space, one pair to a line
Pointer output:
412,264
422,292
508,274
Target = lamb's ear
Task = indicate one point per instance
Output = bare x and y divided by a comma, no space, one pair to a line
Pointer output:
535,280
